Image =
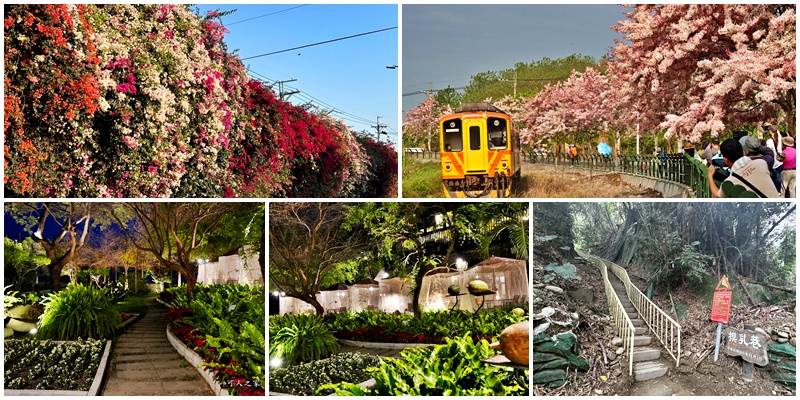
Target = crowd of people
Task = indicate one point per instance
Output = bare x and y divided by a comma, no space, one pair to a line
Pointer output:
765,167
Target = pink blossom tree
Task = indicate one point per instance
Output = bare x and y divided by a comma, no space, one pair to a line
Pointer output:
695,69
421,123
586,103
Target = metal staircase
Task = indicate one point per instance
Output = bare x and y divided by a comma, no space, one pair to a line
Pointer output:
638,321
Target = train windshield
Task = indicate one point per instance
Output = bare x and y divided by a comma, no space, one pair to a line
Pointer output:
452,135
497,133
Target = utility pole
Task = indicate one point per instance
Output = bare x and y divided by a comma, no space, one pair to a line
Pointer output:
285,95
378,126
515,84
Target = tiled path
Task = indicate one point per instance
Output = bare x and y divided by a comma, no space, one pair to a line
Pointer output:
144,363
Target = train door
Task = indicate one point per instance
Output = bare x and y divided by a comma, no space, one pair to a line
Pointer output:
475,149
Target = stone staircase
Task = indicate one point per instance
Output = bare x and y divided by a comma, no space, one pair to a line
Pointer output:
646,358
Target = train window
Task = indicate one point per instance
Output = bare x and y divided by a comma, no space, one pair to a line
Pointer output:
452,135
497,134
474,137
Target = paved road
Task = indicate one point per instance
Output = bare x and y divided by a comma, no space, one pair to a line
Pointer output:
144,363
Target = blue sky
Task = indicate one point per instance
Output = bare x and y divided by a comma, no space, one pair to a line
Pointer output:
448,44
348,75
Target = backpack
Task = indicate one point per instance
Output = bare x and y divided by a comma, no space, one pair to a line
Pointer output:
662,156
573,151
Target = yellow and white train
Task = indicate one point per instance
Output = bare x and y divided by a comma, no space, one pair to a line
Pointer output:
480,152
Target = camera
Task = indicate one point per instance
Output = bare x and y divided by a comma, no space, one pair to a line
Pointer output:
721,173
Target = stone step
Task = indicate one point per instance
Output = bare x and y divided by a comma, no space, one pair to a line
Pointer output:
632,315
647,370
629,309
637,322
645,354
638,330
643,340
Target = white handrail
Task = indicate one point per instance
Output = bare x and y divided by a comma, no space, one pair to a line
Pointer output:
622,322
666,329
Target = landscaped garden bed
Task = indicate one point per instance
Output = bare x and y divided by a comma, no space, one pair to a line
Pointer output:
302,351
432,327
304,379
224,325
51,365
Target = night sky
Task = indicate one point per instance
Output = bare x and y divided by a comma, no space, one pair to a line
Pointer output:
13,230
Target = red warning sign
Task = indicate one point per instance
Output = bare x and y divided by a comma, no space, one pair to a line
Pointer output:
721,305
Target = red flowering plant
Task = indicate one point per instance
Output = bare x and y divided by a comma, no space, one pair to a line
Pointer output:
169,91
231,341
176,314
50,95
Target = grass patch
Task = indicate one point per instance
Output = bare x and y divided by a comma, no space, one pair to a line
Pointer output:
132,304
421,179
562,183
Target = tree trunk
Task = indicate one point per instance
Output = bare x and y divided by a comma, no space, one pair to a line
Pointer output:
421,271
262,251
191,280
55,275
318,309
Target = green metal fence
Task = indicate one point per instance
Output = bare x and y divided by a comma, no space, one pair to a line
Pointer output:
678,168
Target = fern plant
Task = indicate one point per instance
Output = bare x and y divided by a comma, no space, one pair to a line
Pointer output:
452,369
301,338
78,312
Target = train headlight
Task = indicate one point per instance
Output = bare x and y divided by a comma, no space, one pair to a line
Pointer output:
447,167
505,165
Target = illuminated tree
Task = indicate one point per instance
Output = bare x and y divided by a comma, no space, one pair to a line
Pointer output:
72,221
306,243
172,232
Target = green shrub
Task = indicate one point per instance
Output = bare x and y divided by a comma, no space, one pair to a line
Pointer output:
304,379
231,318
78,312
430,327
452,369
300,338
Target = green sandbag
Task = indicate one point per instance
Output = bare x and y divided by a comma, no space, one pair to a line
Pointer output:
570,339
540,338
548,376
557,363
783,348
789,367
544,357
560,348
582,364
790,380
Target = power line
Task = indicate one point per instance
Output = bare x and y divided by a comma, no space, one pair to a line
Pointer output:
430,91
319,43
311,99
265,15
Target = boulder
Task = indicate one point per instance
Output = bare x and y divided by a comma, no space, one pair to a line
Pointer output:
20,326
554,289
582,295
620,350
784,335
616,341
19,312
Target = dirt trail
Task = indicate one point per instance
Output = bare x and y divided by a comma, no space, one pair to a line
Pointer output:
545,182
